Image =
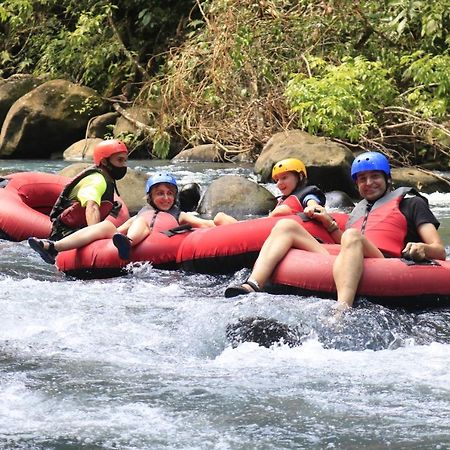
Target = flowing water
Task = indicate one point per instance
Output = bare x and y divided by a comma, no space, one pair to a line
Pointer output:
142,361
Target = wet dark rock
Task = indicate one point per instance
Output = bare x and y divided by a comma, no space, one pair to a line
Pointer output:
265,332
338,199
189,196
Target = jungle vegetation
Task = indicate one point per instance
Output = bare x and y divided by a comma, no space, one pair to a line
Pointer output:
373,74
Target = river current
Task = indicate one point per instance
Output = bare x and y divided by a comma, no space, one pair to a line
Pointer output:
143,362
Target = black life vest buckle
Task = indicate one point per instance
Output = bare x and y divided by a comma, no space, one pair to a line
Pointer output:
177,230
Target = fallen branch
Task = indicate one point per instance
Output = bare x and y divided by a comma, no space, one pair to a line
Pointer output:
149,131
439,177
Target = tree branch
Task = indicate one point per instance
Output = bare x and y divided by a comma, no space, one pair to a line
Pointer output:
128,54
141,126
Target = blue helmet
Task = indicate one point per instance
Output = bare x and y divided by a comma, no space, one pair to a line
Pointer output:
370,161
160,177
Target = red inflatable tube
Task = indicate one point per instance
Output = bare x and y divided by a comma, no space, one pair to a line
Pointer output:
388,281
100,259
228,248
26,202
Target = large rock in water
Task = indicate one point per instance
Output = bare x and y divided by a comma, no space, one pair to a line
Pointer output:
327,163
421,181
236,196
82,150
200,153
13,88
48,119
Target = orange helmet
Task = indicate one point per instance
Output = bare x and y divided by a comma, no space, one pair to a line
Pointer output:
289,165
107,148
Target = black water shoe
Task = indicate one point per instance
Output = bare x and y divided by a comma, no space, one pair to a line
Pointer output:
123,245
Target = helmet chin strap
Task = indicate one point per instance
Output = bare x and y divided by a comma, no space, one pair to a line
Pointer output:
301,179
107,165
388,183
150,202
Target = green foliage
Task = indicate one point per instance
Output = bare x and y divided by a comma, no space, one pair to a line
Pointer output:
88,104
421,19
429,77
91,37
102,44
369,71
161,144
341,101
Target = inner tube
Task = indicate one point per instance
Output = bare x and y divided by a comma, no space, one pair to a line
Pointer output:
228,248
26,201
100,259
387,281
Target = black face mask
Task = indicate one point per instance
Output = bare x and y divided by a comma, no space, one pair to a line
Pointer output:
117,173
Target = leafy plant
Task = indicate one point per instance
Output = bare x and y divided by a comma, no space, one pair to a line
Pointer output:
341,101
429,77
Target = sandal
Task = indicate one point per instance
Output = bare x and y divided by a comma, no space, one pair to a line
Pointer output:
47,254
245,288
123,245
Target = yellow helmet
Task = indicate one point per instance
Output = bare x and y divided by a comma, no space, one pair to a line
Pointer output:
289,165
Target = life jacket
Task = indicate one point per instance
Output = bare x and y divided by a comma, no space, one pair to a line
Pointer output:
70,213
149,212
382,222
300,193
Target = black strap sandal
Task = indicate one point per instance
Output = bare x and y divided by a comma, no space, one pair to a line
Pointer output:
47,254
234,291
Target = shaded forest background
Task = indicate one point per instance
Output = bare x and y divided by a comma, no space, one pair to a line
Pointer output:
370,74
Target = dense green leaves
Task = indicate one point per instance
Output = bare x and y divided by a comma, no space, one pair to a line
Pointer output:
429,78
341,101
371,73
103,44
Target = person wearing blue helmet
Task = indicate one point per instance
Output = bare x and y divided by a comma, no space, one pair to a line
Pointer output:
385,223
162,195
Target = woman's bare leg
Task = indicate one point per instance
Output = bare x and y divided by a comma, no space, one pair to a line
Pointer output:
80,238
138,231
286,234
222,219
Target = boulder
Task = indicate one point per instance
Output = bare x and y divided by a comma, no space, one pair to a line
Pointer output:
132,121
423,182
131,187
133,127
200,153
81,150
101,125
266,332
13,88
189,196
328,163
236,196
338,200
213,153
48,119
4,172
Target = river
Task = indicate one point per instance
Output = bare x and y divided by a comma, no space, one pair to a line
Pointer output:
142,361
